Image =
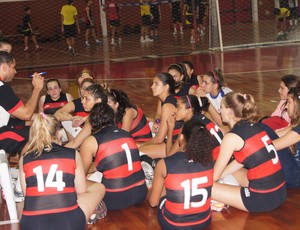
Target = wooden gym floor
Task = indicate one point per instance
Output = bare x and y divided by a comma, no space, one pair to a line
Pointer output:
131,68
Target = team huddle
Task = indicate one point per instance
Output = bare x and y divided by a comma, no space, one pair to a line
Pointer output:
205,148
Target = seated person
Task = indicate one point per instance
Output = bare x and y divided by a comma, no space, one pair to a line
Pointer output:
189,169
65,201
92,95
128,116
280,118
55,98
117,157
163,88
84,74
256,164
73,115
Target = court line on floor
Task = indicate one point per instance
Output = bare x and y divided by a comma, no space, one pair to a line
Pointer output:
147,78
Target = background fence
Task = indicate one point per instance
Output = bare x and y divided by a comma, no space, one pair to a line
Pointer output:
250,23
228,24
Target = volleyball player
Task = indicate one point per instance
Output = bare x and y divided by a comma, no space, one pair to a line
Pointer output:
117,157
53,181
183,182
55,98
256,164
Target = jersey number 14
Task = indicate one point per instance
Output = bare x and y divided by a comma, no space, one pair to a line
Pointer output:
50,180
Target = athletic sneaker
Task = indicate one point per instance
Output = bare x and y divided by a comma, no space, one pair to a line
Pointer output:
3,157
72,51
87,43
25,49
18,196
98,42
142,40
147,39
2,192
148,171
218,206
100,213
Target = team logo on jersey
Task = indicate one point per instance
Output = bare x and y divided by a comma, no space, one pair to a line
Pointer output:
247,192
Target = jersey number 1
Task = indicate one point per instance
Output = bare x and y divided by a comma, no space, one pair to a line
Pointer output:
128,156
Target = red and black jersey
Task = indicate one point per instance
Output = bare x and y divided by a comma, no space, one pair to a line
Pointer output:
113,10
178,124
86,19
139,130
188,191
50,181
215,131
13,140
259,156
50,106
118,159
9,103
79,110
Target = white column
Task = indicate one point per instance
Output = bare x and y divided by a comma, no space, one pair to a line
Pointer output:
254,10
103,18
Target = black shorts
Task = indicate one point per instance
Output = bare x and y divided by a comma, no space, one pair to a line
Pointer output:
27,32
88,26
189,20
201,16
114,23
146,20
155,21
125,199
176,15
71,220
70,31
293,13
263,202
166,225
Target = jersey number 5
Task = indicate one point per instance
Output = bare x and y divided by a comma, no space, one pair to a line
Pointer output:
270,148
50,183
191,189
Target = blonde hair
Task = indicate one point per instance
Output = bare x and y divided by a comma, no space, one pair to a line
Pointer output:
43,132
84,70
243,106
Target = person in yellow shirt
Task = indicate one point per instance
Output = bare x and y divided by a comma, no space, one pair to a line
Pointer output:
146,20
69,22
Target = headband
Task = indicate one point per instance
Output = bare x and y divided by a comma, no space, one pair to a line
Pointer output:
215,76
175,64
44,116
189,101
